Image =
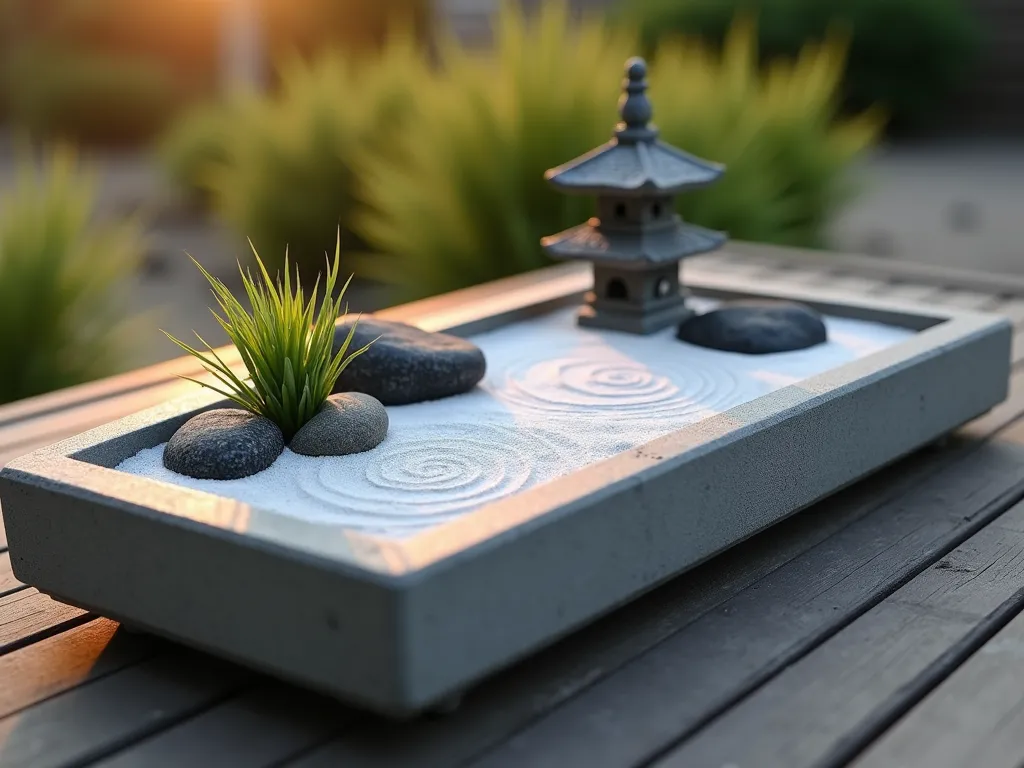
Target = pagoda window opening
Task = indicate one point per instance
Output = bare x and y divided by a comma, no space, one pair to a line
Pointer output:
616,289
620,211
656,210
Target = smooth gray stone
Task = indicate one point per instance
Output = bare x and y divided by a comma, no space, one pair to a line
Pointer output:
756,328
224,444
407,365
350,422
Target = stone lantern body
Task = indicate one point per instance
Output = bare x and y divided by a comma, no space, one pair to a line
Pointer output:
637,241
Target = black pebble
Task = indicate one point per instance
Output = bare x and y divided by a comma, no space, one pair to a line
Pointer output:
755,328
224,444
408,365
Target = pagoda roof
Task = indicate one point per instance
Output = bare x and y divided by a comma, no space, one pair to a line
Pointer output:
632,249
641,167
634,162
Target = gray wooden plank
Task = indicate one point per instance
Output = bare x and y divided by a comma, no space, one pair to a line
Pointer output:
1012,309
260,727
883,269
906,291
814,711
90,721
975,717
8,583
24,436
851,283
27,616
58,663
976,300
571,700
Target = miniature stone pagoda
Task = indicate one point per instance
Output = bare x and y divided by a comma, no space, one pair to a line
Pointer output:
637,240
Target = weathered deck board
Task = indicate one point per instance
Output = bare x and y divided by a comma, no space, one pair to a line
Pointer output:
22,437
262,726
912,292
8,583
556,694
975,717
59,663
975,300
27,616
1012,309
89,722
880,268
806,714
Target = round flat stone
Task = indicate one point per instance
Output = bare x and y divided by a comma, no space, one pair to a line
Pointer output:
408,365
755,328
350,422
224,444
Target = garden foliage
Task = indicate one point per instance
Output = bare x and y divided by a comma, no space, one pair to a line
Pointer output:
115,71
58,275
905,55
281,169
468,202
436,173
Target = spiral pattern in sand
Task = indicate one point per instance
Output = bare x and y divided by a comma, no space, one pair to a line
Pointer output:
681,390
419,478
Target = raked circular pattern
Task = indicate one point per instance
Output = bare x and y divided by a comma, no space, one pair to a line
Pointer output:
683,389
421,477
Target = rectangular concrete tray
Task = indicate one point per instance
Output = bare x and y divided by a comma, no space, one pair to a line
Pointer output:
402,625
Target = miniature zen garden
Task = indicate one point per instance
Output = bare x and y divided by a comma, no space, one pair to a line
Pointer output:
387,428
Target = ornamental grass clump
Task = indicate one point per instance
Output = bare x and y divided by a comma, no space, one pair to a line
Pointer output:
64,309
285,343
463,199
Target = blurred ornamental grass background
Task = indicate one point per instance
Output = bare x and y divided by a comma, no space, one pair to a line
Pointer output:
433,164
908,56
63,316
428,154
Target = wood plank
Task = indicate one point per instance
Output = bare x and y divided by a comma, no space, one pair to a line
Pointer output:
27,616
857,285
89,722
105,389
58,663
918,293
975,717
815,711
578,701
1011,309
8,583
975,300
3,533
883,269
262,726
25,436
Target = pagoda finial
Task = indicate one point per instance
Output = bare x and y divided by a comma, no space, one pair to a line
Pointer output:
635,109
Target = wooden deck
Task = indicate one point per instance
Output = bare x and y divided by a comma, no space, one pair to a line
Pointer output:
881,627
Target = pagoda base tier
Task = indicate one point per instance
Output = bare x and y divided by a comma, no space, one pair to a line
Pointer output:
634,322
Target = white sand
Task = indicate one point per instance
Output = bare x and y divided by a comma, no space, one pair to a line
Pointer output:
556,397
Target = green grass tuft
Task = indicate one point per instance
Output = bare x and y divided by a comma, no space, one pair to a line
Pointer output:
285,343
